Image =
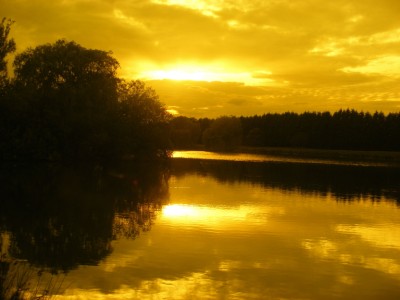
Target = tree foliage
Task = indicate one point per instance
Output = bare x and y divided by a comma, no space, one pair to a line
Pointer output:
62,65
185,132
7,46
344,129
143,118
224,134
66,102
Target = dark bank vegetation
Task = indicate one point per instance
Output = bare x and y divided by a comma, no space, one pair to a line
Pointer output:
344,130
66,102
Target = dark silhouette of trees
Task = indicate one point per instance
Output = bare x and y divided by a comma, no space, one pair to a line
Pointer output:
224,134
63,65
66,102
7,46
143,120
185,132
68,95
343,129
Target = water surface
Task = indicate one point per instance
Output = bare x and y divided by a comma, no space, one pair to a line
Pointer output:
335,158
211,229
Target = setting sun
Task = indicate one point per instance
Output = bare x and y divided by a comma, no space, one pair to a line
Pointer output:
210,74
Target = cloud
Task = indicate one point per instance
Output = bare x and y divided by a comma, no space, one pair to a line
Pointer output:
289,45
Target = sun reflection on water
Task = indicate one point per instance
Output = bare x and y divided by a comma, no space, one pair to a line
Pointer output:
178,210
206,215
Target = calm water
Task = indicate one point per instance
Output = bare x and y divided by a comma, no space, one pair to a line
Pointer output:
205,229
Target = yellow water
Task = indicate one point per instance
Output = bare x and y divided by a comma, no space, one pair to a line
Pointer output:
217,240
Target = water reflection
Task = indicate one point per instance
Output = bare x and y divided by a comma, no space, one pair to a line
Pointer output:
58,217
345,183
208,229
292,231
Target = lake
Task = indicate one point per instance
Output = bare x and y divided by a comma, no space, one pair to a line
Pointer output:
203,226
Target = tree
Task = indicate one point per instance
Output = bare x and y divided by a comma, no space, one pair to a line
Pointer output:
7,46
224,134
70,99
185,132
254,137
68,103
63,64
143,120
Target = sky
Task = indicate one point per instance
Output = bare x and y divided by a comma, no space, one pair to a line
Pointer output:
207,58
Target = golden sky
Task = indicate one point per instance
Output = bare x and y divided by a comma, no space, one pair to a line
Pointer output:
235,57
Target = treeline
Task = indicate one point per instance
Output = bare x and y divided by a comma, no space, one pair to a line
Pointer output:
66,102
344,129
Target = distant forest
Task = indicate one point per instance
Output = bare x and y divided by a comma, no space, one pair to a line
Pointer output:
344,129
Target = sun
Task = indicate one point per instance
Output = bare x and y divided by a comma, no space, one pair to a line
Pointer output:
186,71
207,73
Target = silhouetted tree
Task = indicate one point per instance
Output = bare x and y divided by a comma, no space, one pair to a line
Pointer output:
65,98
143,120
66,102
224,134
344,129
185,132
7,46
254,137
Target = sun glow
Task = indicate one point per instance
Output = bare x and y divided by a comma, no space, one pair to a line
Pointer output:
179,75
186,71
209,74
